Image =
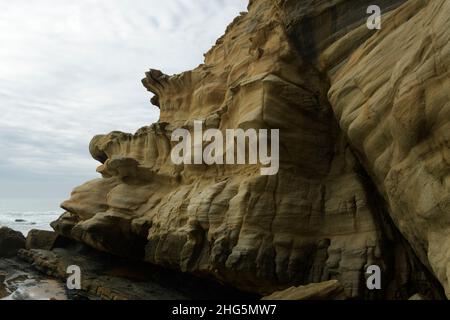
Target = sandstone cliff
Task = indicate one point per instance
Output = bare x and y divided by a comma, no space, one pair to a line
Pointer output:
364,157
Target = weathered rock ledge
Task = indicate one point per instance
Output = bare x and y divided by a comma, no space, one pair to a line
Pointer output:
40,272
364,158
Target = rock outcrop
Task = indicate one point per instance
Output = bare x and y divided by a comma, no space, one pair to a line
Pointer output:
110,278
364,157
41,239
10,242
395,110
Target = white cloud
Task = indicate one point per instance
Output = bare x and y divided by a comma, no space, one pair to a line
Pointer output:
72,69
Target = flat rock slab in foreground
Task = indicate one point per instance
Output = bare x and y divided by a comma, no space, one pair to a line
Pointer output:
20,281
329,290
106,277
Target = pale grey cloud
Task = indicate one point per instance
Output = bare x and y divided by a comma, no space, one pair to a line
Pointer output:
72,69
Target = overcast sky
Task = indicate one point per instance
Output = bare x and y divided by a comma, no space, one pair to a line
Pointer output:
72,69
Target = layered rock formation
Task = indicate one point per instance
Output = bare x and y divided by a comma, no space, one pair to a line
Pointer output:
395,111
363,140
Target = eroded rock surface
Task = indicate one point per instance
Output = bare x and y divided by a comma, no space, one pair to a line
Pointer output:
296,66
41,239
107,277
328,290
20,281
10,242
397,116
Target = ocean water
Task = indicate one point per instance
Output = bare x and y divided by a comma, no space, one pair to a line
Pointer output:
25,221
26,214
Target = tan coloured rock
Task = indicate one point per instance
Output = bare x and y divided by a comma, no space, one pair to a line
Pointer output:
391,98
41,239
320,217
329,290
418,297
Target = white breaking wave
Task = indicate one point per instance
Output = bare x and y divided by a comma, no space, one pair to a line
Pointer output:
26,221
